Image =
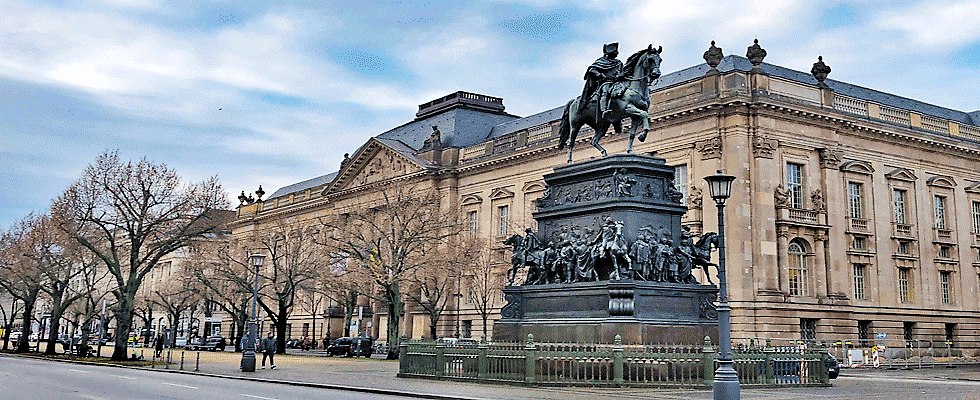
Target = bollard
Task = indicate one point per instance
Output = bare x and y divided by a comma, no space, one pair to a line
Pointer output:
166,364
949,354
617,351
918,349
197,364
530,372
182,361
708,361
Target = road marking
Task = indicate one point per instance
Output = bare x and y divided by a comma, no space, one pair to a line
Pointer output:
258,397
76,370
917,380
125,377
183,386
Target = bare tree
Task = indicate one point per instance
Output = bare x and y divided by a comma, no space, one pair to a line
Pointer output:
226,279
176,296
389,240
21,269
483,282
130,215
9,316
434,284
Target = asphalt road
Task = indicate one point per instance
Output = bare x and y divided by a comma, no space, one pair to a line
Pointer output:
30,379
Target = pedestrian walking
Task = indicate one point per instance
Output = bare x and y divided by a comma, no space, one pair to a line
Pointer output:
158,345
269,350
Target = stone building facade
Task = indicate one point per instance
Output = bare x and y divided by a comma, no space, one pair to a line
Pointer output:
855,214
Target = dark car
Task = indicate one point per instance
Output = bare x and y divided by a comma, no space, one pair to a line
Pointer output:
351,346
213,343
341,346
833,367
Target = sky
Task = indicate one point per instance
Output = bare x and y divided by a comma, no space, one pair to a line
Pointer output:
274,93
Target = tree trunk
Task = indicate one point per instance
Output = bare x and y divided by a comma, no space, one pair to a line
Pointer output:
22,346
124,322
281,330
395,308
53,327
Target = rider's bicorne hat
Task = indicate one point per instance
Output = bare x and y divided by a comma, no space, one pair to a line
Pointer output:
611,47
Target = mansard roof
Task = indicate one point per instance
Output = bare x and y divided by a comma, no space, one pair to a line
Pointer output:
739,63
307,184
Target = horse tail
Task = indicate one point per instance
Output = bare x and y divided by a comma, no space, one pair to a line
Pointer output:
566,128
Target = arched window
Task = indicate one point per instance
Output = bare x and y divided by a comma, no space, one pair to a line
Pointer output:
799,277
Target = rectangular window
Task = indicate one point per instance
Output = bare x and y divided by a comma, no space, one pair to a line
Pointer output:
909,331
976,217
904,247
904,285
474,222
859,270
864,333
794,184
898,202
467,328
943,252
680,180
939,204
503,218
945,277
808,329
950,332
858,243
854,200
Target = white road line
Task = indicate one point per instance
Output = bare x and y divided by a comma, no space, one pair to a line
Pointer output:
183,386
76,370
258,397
125,377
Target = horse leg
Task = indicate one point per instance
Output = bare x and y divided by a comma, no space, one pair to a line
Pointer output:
638,115
576,126
600,131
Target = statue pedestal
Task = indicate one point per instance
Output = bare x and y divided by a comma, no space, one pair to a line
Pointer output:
595,312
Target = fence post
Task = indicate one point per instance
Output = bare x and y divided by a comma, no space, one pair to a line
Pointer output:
440,359
403,356
197,364
824,373
617,351
482,361
530,357
166,364
770,354
708,357
181,360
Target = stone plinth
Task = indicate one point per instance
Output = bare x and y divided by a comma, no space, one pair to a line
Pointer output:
595,312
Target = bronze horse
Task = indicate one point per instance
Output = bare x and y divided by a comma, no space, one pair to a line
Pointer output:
702,253
642,69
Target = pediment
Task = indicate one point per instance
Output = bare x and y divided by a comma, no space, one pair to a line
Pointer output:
374,162
941,181
857,167
500,193
534,186
902,174
973,188
470,199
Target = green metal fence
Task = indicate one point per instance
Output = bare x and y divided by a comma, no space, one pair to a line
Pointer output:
570,364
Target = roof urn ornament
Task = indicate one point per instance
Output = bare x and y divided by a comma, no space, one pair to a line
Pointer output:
755,54
820,71
260,193
713,57
242,198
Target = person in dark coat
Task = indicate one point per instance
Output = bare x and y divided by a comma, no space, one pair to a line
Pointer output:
158,345
269,350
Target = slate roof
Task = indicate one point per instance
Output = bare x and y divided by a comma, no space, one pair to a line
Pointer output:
525,123
739,63
309,183
460,127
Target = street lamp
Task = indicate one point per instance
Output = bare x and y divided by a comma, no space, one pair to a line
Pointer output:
726,379
248,351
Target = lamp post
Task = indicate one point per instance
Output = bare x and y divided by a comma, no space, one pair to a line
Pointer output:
248,351
726,385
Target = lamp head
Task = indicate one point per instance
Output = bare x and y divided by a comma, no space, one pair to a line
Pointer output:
257,260
720,186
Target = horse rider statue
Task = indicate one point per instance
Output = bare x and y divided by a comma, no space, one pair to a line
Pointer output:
606,69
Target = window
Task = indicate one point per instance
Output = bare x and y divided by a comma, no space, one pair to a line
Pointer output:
898,202
950,331
945,277
474,222
858,243
798,279
808,329
909,331
976,217
939,204
864,333
904,285
680,180
502,215
854,200
904,247
943,252
794,184
859,270
467,328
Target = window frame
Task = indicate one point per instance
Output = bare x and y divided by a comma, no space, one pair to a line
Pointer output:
855,200
794,184
860,281
939,211
900,205
798,284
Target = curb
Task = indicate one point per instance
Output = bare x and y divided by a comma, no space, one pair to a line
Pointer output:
263,380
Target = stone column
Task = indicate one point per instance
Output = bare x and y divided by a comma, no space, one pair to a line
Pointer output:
782,249
820,264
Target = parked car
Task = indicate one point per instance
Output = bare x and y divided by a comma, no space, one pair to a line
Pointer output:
351,346
180,341
15,336
213,343
833,367
463,342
